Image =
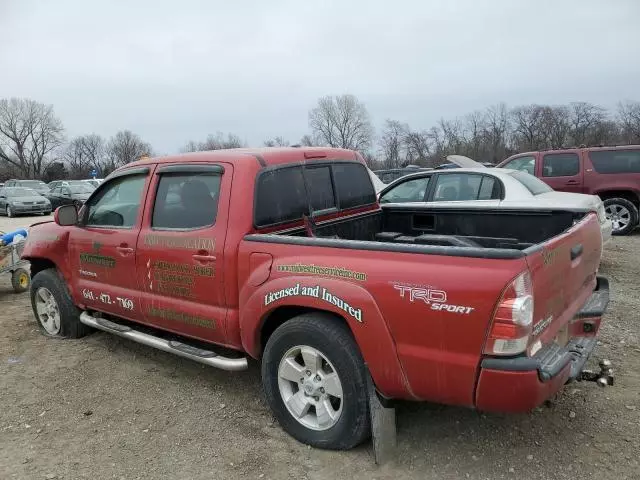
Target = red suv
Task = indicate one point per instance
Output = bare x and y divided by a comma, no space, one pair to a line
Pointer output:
612,173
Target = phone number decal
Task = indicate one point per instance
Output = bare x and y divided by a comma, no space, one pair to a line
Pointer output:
123,302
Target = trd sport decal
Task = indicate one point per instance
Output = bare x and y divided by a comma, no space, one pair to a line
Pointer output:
315,292
430,296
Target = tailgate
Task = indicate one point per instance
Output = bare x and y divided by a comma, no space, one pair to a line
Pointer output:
563,272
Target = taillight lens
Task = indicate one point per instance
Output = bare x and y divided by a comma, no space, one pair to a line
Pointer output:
511,325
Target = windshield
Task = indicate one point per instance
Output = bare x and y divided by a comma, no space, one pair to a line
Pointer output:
21,192
80,189
531,183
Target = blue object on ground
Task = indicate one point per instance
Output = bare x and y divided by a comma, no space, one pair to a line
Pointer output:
7,238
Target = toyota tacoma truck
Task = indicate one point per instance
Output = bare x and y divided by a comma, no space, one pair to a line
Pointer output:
286,256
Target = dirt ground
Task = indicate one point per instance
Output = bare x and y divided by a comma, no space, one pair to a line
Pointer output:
103,408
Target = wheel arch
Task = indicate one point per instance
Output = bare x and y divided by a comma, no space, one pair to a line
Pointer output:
258,322
628,194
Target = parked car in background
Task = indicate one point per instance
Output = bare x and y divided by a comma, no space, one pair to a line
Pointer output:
93,181
71,194
487,189
389,175
65,183
18,201
612,173
37,185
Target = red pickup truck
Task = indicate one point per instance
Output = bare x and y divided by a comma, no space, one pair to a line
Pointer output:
285,256
612,173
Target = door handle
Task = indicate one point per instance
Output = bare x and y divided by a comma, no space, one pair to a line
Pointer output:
204,258
576,251
572,182
124,250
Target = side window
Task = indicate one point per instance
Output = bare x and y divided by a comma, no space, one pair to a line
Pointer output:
458,187
186,200
117,204
489,189
65,191
410,191
320,188
524,164
616,161
353,185
56,191
560,165
281,196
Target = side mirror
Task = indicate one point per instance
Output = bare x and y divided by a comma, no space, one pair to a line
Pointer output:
66,215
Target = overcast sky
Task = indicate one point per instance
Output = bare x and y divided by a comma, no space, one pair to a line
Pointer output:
177,70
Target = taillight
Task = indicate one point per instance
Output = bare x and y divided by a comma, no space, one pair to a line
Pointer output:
511,325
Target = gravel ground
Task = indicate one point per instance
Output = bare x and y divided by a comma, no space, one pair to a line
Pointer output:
103,408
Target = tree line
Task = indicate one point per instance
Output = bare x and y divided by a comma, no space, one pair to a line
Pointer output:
33,142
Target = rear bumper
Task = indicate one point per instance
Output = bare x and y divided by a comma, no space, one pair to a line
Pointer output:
519,384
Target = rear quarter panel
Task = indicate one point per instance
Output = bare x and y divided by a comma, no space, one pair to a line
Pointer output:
422,320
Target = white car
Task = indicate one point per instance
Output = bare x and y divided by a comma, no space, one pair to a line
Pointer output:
484,187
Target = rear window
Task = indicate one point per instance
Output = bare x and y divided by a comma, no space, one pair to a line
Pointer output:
353,185
616,161
320,187
531,183
283,195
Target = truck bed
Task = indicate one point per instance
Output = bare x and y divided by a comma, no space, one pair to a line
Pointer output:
496,233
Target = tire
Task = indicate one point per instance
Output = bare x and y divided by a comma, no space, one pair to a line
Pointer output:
20,280
623,213
9,212
68,318
331,339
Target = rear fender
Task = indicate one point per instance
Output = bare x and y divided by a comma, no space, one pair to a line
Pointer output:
361,315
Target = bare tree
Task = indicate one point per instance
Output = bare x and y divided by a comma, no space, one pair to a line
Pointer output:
342,121
124,147
584,118
84,153
276,142
215,142
392,143
554,126
29,133
308,141
497,132
418,146
629,119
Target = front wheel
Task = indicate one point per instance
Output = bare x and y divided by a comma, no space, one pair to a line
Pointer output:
10,212
315,382
622,213
55,312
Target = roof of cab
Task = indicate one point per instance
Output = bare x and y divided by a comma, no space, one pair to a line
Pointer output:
266,156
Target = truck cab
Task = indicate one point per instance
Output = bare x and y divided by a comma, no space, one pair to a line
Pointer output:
612,173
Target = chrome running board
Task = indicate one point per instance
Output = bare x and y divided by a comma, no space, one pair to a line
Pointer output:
171,346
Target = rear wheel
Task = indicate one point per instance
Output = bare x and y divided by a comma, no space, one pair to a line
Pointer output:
622,213
315,382
55,312
10,212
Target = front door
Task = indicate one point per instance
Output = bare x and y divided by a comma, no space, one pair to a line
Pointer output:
180,250
102,247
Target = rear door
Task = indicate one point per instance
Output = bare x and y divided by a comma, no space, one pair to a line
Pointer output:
103,247
562,172
180,264
564,275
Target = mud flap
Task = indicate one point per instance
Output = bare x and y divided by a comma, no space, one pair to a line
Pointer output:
383,426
